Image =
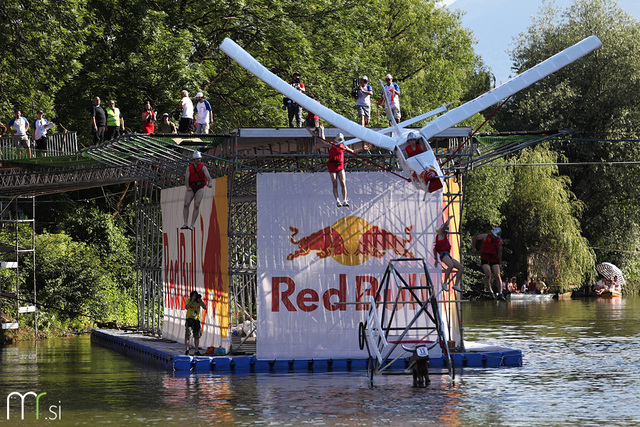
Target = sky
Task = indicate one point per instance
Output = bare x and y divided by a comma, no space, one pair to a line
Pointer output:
495,24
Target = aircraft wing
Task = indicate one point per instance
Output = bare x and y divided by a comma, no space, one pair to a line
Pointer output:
243,58
405,123
509,88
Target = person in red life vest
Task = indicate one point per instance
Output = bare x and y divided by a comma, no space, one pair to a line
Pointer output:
491,256
336,167
443,249
415,144
196,178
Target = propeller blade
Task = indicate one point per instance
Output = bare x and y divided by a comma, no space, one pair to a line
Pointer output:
509,88
243,58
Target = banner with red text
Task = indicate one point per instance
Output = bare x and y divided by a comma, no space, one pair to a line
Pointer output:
313,256
196,260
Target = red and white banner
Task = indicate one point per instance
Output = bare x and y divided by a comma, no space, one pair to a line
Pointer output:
313,255
196,260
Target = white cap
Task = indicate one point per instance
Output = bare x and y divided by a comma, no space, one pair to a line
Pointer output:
197,155
388,76
340,138
199,95
365,78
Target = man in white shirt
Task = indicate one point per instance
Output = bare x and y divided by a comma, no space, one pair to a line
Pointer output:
19,127
364,101
393,94
186,121
40,126
204,117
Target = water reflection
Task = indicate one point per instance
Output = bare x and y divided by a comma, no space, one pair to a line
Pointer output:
580,367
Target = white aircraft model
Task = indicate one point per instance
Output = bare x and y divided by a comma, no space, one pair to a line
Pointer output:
422,168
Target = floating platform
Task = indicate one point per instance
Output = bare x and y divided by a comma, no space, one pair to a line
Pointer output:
170,355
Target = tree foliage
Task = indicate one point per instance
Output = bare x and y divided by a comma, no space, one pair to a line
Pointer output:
597,97
136,50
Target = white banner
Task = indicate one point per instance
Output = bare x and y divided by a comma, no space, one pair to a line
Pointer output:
312,255
196,260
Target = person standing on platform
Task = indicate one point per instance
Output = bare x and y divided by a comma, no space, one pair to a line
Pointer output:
98,121
294,111
115,122
204,115
491,257
192,325
392,91
186,121
364,101
19,126
166,126
148,118
40,126
196,178
442,248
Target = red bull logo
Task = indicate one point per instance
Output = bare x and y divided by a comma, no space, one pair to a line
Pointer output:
351,241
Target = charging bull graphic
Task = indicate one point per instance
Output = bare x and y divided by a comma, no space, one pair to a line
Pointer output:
327,242
351,241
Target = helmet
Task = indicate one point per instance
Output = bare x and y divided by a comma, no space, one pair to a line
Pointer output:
496,231
197,155
414,135
340,138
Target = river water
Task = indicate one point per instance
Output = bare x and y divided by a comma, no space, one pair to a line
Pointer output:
581,367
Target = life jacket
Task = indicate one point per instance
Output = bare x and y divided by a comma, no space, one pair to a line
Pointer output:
442,245
490,247
197,179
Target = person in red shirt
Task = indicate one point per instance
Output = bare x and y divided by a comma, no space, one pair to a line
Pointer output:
196,178
336,168
491,257
442,248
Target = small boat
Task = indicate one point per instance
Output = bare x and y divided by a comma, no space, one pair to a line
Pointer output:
514,296
609,293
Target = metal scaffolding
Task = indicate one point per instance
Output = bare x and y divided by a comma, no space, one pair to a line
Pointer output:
158,162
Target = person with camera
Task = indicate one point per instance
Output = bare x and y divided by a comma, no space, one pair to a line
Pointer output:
363,104
392,92
294,110
192,326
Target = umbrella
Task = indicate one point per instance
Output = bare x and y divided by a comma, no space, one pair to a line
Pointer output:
609,271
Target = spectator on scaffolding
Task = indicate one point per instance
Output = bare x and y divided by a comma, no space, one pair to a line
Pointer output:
186,120
294,111
363,103
115,121
204,115
3,129
40,127
166,126
98,121
148,118
19,126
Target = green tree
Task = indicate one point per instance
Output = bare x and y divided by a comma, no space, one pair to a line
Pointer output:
597,97
542,224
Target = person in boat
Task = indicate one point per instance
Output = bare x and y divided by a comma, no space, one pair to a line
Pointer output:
491,257
523,289
615,286
532,286
512,286
442,249
542,286
601,286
